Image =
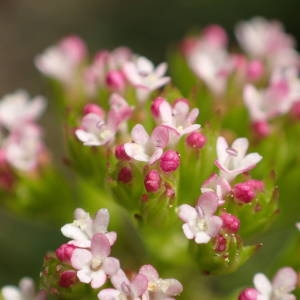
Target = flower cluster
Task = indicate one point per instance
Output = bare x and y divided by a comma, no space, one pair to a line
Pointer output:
86,259
22,148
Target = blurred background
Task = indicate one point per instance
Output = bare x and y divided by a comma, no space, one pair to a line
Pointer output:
27,27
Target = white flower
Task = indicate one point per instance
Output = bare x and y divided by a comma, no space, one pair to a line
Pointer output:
233,160
25,291
200,222
144,76
84,227
283,283
17,109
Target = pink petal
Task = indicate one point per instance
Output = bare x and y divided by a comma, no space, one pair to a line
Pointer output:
262,284
111,236
118,279
165,111
156,155
80,258
174,287
131,73
187,213
202,237
161,69
136,152
214,225
109,294
221,150
98,279
187,231
241,146
139,284
285,279
139,134
101,221
160,137
208,202
84,275
150,272
250,161
111,265
100,246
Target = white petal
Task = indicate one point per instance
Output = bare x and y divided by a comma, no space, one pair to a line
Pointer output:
262,284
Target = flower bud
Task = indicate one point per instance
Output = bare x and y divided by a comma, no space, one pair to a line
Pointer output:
152,181
67,278
155,106
74,47
169,161
255,70
246,191
115,80
120,153
64,252
261,128
125,175
248,294
221,242
230,222
92,108
215,35
196,140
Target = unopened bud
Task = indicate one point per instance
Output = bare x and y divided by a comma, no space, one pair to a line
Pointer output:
152,181
196,140
248,294
125,175
155,106
215,35
64,252
246,191
169,161
120,153
115,80
261,128
295,110
92,108
67,278
230,222
221,242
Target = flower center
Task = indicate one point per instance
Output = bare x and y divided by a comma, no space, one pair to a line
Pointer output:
96,263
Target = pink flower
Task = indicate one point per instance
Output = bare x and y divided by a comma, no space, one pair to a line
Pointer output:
125,289
61,61
24,147
95,265
96,131
217,184
145,77
17,109
84,228
25,291
162,289
200,222
152,181
233,160
211,64
266,39
178,118
283,283
144,147
169,161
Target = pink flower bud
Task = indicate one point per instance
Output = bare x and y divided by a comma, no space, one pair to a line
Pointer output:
67,278
196,140
125,175
295,110
152,181
257,185
92,108
64,252
248,294
221,242
230,222
169,161
255,70
244,192
120,153
215,35
155,106
261,129
115,80
188,45
74,47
